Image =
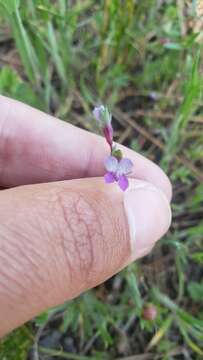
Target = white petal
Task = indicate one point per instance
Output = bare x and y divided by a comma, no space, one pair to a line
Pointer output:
111,164
124,167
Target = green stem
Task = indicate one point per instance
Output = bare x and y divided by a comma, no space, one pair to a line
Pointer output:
65,355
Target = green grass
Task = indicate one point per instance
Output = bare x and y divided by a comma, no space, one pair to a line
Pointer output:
16,345
142,59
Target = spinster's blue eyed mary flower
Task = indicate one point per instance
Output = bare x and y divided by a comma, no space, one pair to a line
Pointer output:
117,167
98,111
103,117
117,170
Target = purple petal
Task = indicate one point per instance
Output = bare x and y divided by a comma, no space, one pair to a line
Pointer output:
124,167
123,182
111,164
97,112
109,178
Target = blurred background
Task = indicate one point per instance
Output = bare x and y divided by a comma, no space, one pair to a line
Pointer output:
143,60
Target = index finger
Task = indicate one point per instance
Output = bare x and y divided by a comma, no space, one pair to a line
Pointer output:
36,147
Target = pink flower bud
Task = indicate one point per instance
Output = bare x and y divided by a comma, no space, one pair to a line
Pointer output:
149,312
108,133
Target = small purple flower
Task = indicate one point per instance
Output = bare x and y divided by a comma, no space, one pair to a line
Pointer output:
102,115
117,170
117,167
98,111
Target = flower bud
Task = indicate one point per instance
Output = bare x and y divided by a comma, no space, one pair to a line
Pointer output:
97,112
108,133
103,117
149,312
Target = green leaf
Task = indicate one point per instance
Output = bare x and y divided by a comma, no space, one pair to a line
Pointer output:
188,340
12,85
198,257
192,96
196,291
173,46
17,344
136,296
42,318
160,332
10,5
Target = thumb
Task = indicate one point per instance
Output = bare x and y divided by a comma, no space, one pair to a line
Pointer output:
59,239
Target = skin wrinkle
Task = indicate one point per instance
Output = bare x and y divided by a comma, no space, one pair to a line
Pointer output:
57,230
38,227
29,280
119,233
26,246
63,231
82,207
74,222
96,235
17,288
47,231
66,245
106,211
109,231
19,291
39,280
51,217
55,244
44,228
17,250
84,218
5,292
24,250
6,275
19,270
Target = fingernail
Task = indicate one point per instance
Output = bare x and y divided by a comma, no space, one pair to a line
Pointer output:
149,216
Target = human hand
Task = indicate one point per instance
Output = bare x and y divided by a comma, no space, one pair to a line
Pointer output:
69,232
